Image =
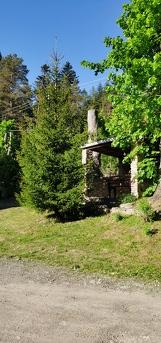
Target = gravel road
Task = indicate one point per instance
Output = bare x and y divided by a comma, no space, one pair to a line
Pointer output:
39,304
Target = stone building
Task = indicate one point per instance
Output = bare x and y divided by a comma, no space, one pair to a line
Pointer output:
106,189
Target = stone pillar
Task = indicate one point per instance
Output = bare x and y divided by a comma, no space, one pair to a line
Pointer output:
84,156
92,137
91,159
92,125
88,155
134,180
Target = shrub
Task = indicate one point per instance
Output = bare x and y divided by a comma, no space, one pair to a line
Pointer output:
150,231
145,210
9,176
127,198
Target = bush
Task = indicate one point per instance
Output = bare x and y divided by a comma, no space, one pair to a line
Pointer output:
145,210
150,231
127,198
9,176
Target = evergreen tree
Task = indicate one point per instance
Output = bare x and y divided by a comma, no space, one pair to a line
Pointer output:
15,93
50,156
56,68
99,101
44,79
54,74
9,168
68,72
50,73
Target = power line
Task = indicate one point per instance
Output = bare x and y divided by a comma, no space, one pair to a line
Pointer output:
92,81
7,113
27,106
14,108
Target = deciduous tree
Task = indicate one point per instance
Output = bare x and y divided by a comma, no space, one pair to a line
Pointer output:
134,86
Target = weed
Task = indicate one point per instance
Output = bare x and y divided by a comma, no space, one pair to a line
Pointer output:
150,231
127,198
145,210
117,216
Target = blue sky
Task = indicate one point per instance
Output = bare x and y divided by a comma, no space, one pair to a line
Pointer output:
33,28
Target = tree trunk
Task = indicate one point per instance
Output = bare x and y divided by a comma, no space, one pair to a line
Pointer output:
156,198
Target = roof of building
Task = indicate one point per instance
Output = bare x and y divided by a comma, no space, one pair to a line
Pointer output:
105,147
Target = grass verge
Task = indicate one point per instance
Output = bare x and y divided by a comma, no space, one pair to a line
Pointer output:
100,244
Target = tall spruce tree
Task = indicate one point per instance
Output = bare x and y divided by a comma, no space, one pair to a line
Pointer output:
68,72
134,83
52,174
15,93
44,79
99,100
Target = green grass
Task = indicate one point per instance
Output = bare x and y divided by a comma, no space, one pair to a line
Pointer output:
100,244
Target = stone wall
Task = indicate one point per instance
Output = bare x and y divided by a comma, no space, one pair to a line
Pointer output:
107,187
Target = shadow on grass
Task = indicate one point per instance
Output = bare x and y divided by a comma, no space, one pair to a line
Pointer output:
72,216
8,203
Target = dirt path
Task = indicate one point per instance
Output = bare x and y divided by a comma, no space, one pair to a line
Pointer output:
39,304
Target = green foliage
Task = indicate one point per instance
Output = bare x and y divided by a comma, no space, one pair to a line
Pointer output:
150,190
9,169
54,73
109,165
52,174
44,79
145,210
15,103
117,216
15,93
99,101
5,127
150,231
134,81
127,198
9,175
68,72
148,171
70,189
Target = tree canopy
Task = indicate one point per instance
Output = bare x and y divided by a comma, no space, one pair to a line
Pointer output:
68,72
15,93
134,88
50,158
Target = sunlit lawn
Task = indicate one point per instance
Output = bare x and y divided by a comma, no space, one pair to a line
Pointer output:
99,244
